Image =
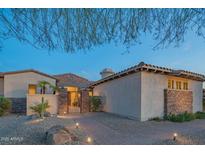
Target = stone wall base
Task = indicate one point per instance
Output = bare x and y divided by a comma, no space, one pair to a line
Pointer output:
18,105
178,101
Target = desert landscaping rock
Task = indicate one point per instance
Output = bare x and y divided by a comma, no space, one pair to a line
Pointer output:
20,130
60,135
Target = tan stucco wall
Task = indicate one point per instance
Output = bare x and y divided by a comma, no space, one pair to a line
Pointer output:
36,99
197,88
1,86
141,95
16,85
121,96
153,86
152,99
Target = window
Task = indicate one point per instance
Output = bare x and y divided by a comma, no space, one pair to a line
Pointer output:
90,93
172,84
31,89
185,86
178,85
169,84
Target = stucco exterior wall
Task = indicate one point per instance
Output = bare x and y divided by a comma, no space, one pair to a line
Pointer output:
121,96
36,99
1,86
16,85
152,99
197,88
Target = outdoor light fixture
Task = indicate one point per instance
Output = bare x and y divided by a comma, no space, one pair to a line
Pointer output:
175,136
64,112
76,125
89,140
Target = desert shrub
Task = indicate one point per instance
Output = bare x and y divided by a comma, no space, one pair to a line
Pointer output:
5,105
41,108
200,115
95,102
180,117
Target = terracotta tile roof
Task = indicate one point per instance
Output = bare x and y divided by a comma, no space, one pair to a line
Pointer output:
151,68
70,79
24,71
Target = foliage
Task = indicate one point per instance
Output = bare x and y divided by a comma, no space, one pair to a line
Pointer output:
200,115
76,29
5,105
54,88
95,102
42,85
40,108
180,117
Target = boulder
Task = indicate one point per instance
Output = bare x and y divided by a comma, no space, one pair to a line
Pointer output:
58,134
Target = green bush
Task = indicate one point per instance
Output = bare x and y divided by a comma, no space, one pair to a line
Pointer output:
200,115
95,103
180,117
5,105
40,108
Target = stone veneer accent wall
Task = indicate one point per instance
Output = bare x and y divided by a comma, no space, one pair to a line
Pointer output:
178,101
85,105
62,102
18,105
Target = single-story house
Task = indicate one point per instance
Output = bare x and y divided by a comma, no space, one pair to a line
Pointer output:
140,92
146,91
21,87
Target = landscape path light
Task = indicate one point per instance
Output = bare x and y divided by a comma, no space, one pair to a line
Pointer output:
175,136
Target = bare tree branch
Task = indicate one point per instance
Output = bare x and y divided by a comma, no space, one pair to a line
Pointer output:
76,29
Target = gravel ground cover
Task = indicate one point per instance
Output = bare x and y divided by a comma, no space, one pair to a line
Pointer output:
23,130
103,128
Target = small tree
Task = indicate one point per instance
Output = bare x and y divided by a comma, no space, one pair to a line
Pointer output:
42,85
54,88
41,108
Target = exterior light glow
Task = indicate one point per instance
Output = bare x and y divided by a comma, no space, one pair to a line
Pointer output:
64,112
89,140
175,136
77,125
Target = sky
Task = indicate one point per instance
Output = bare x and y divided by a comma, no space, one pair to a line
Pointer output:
190,55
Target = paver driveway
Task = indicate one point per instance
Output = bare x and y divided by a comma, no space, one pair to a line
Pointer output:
110,129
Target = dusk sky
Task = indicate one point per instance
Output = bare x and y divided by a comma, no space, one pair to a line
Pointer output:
189,56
